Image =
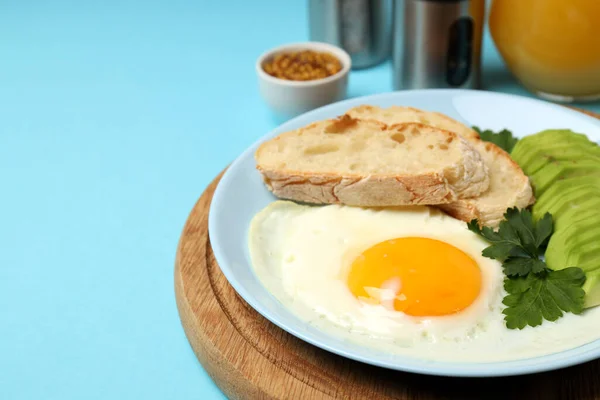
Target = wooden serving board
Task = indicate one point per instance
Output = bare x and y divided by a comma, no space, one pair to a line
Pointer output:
250,358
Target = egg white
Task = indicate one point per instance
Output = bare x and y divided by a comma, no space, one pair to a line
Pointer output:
302,255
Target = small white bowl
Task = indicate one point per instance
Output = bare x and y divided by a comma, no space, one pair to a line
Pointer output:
290,98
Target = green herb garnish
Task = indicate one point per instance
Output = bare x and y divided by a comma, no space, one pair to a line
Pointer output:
543,295
503,139
535,292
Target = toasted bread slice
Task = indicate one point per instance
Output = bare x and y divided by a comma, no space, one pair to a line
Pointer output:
509,186
366,163
400,115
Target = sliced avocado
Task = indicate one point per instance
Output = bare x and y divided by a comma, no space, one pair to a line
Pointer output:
561,188
587,209
591,285
525,145
590,265
556,254
573,200
592,289
548,152
573,197
579,227
531,144
586,256
551,135
580,233
583,238
564,243
553,195
551,172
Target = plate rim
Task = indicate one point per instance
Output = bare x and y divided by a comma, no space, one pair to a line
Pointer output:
553,361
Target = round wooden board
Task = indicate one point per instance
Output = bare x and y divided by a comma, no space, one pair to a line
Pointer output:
248,357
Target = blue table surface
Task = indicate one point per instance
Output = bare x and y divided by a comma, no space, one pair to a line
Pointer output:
114,116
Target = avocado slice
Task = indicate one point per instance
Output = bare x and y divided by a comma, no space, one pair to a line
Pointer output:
587,209
592,289
551,197
565,243
570,198
585,256
579,227
549,135
561,188
551,172
583,237
564,136
573,200
564,168
549,152
574,216
589,263
528,146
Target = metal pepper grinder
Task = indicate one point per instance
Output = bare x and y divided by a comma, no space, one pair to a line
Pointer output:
361,27
437,43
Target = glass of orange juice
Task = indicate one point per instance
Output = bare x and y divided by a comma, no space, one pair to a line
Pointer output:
551,46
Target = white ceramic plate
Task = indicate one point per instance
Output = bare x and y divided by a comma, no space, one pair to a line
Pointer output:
241,194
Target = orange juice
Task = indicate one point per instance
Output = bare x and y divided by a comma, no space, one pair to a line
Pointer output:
551,46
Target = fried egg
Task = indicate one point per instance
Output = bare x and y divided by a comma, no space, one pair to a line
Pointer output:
407,280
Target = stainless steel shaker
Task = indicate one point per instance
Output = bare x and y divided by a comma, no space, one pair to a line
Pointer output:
361,27
437,43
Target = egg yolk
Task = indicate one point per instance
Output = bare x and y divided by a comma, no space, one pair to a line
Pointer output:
418,276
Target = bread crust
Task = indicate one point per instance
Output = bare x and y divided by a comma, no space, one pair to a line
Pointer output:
402,114
367,191
377,190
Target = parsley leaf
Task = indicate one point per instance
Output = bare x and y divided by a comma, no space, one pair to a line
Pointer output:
565,287
521,266
517,235
503,242
544,229
534,292
517,285
503,139
543,296
521,223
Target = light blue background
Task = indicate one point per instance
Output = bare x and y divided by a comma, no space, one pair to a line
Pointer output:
114,116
